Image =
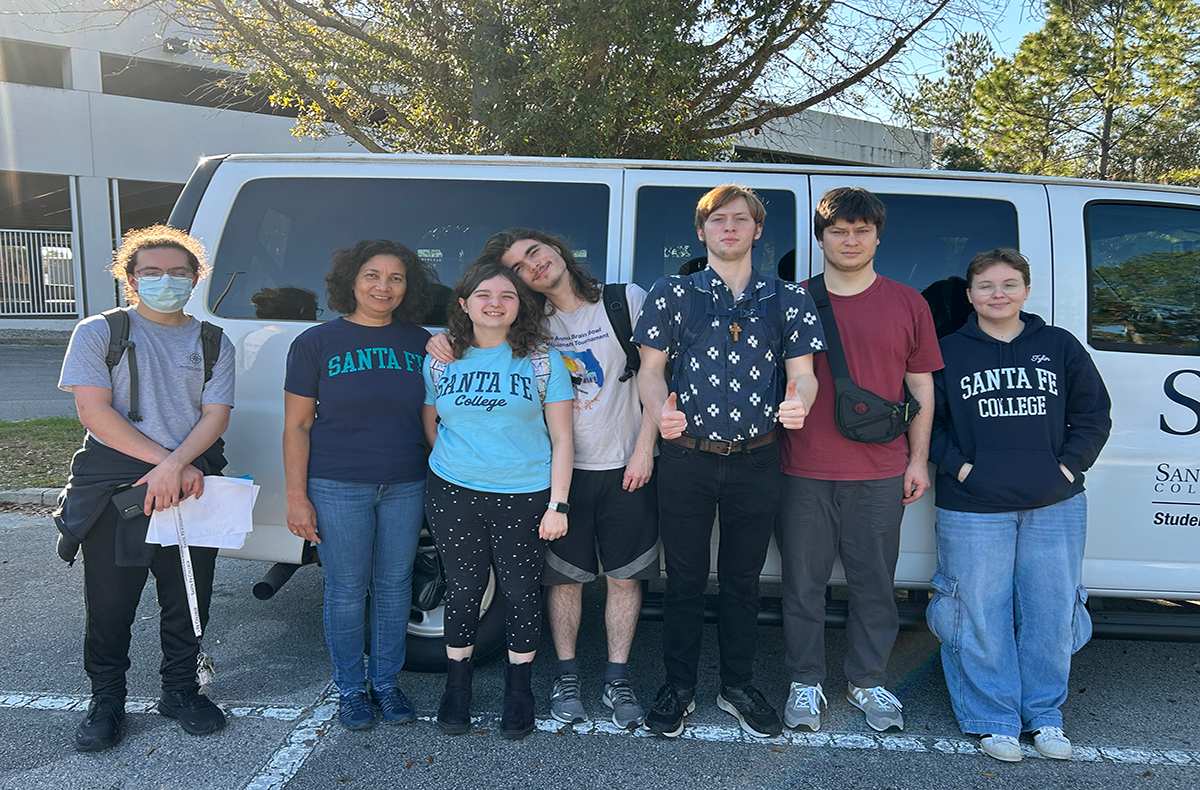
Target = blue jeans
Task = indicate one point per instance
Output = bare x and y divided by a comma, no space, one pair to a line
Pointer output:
369,536
1009,610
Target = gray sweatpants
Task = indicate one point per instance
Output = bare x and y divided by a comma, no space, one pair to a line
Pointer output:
860,520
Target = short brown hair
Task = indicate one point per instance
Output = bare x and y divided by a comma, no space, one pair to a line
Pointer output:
339,280
155,237
851,204
986,260
726,194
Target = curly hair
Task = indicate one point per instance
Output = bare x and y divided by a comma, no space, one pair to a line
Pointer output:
155,237
524,336
418,278
586,287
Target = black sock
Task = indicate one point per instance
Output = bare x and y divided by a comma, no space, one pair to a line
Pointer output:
568,666
614,671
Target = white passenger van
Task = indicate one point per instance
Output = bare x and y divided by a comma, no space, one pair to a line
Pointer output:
1118,265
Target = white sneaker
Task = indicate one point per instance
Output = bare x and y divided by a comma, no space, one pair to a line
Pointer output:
804,707
1051,742
1002,747
880,705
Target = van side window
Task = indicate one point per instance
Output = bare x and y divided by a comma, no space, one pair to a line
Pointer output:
282,231
665,238
928,240
1144,276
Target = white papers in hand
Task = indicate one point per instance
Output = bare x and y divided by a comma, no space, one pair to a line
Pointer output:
219,519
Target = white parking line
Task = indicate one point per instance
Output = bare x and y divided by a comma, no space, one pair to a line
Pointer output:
312,724
300,743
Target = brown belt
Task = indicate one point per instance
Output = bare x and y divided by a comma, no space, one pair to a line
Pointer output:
722,448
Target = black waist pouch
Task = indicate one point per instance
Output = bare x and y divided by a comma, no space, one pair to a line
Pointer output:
863,416
860,415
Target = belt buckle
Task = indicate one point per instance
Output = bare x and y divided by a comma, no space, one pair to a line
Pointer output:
728,449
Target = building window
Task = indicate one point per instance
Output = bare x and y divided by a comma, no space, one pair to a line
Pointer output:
156,80
145,203
1144,269
31,64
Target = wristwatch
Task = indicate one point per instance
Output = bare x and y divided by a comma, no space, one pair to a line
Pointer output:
560,507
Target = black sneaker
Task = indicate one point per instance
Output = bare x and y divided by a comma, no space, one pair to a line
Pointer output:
101,727
195,712
393,705
750,708
670,706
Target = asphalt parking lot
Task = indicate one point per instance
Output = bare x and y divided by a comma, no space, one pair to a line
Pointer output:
1132,711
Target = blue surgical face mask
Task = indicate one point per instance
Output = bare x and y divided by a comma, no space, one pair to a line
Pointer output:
164,293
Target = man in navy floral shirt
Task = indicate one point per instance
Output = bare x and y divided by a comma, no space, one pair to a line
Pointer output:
739,347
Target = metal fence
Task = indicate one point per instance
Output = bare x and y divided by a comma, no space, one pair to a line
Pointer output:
37,273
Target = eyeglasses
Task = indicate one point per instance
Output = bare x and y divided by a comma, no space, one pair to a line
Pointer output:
1009,288
181,271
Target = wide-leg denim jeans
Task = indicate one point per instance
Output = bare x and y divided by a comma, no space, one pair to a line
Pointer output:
369,536
1008,608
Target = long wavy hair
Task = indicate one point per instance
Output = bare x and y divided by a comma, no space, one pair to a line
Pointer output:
524,336
586,287
419,278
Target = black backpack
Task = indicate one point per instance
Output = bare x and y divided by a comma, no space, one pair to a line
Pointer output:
118,342
616,306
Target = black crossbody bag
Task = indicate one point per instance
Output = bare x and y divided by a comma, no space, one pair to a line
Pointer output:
860,415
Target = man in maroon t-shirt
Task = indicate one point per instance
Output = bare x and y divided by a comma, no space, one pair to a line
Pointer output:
846,497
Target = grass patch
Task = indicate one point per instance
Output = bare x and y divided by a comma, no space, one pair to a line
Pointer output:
37,453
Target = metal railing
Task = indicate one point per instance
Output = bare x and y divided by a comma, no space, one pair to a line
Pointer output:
37,273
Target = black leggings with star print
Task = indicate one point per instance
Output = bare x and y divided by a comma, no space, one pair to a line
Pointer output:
475,530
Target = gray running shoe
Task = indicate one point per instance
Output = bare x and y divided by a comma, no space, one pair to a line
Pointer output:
804,707
880,705
566,705
627,713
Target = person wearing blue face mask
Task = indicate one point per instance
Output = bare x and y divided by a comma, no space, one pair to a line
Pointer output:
154,408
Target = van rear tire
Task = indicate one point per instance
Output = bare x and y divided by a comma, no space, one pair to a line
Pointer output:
425,650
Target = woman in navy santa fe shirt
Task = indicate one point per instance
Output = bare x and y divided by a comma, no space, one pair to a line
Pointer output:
499,476
354,458
1021,413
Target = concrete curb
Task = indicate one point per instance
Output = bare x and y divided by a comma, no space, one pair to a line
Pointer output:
30,496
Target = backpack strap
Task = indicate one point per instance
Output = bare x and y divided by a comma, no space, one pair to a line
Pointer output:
118,342
616,306
541,371
773,316
118,335
210,344
436,369
698,315
833,341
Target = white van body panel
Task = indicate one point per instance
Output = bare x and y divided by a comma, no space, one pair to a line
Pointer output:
1128,554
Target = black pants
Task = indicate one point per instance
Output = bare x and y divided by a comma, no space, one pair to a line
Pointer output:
473,530
112,592
691,485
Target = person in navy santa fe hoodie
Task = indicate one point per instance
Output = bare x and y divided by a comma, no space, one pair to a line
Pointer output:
1021,414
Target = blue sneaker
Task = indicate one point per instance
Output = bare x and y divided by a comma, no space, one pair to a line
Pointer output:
355,712
393,705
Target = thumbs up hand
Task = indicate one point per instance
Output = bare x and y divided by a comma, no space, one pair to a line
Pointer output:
792,411
673,422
